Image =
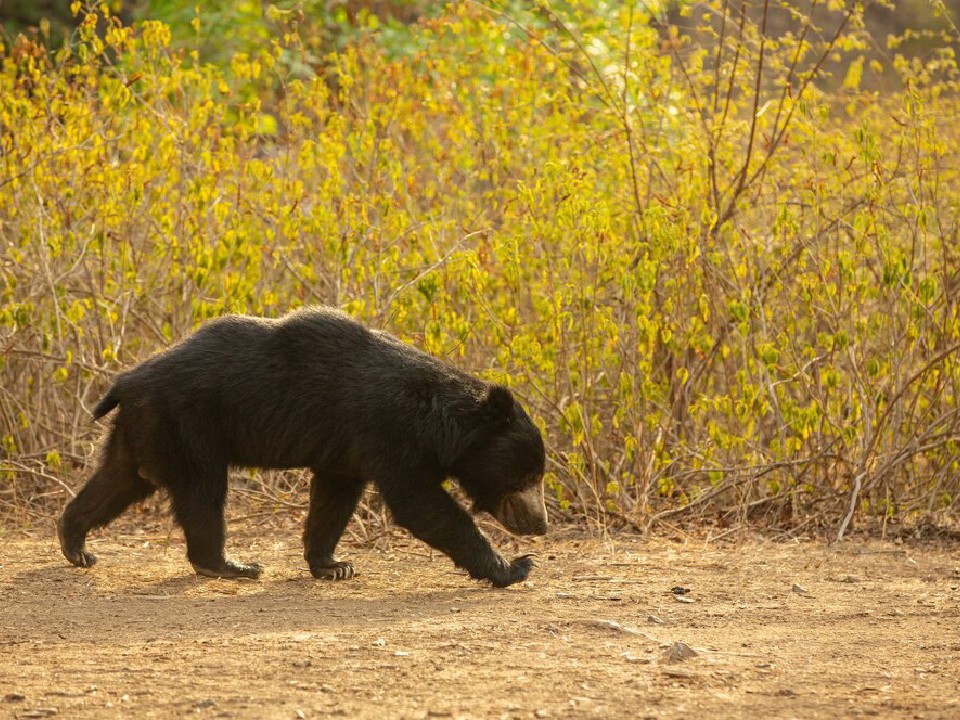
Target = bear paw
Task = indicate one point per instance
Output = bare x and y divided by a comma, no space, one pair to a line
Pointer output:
332,570
230,570
73,548
516,571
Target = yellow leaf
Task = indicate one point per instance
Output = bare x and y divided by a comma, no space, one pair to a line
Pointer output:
854,74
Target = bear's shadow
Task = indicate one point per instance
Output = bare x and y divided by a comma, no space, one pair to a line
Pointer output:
189,606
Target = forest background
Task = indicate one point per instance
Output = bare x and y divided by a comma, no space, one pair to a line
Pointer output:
712,246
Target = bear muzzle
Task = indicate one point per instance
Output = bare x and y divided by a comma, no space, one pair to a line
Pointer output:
523,512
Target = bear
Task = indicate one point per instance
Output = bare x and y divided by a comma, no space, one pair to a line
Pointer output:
315,389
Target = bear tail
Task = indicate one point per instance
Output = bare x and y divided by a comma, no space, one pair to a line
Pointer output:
107,403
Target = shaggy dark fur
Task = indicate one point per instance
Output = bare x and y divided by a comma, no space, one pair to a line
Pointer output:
315,389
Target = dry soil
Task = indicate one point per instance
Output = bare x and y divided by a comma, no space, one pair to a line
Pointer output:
787,630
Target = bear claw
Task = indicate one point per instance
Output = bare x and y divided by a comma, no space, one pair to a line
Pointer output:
81,558
231,570
332,570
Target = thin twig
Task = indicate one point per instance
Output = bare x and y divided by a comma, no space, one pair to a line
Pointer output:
857,483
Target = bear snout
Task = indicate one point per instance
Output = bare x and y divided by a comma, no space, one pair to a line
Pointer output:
523,512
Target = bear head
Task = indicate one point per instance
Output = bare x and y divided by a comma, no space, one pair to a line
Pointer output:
501,470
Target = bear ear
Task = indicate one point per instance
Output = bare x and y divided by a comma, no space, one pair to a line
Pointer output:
499,402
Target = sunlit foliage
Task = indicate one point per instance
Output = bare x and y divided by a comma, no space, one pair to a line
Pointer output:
714,283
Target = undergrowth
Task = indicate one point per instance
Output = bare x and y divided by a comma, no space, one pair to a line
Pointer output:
722,274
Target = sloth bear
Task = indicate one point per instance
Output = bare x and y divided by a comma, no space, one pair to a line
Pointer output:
315,389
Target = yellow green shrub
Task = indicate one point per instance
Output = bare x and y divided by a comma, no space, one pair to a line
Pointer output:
710,279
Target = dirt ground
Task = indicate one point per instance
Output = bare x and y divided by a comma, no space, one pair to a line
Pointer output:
794,630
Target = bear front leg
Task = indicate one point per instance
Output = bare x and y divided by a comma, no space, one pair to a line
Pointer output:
434,517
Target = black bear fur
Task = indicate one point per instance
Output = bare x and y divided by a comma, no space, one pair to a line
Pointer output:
315,389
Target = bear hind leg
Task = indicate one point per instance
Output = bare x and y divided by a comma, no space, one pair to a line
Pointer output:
198,506
333,498
115,486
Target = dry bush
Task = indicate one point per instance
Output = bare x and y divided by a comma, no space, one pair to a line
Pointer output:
721,290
